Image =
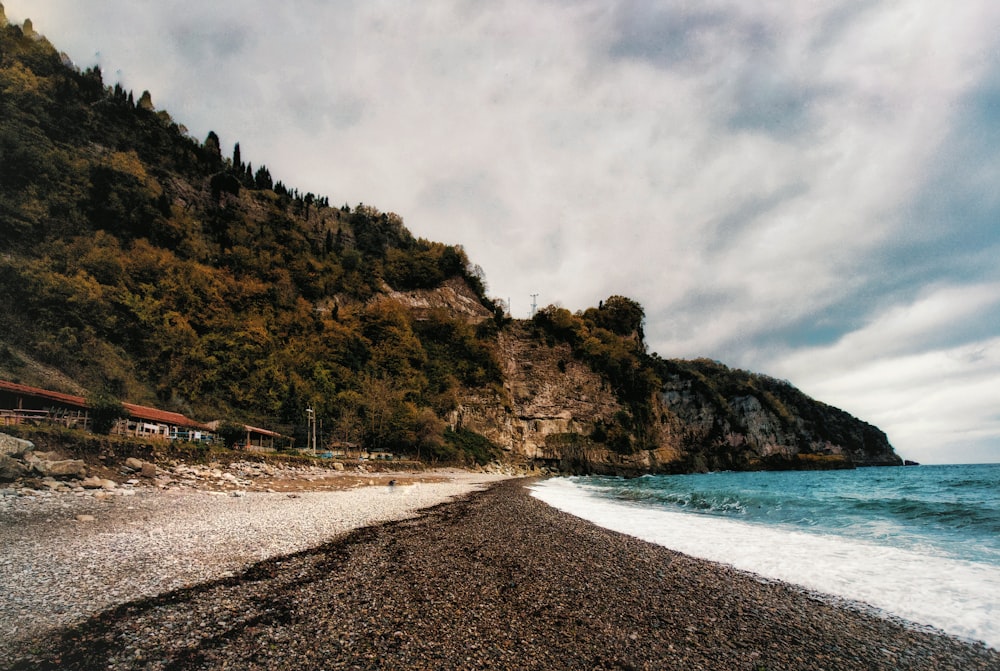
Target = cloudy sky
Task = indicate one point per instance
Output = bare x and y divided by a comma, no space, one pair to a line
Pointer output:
805,189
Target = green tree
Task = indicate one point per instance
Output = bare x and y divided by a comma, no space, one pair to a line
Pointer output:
145,102
232,434
620,315
213,148
105,410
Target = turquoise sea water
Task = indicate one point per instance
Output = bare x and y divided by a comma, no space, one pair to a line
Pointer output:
919,542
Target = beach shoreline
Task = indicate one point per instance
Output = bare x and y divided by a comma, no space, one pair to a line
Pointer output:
494,579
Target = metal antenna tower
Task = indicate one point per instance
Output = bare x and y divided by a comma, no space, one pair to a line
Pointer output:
534,304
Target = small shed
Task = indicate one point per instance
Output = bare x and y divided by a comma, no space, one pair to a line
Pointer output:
263,440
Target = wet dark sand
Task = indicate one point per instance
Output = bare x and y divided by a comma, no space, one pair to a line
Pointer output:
497,580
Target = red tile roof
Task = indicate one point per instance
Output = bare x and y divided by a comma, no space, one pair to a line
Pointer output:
162,416
67,399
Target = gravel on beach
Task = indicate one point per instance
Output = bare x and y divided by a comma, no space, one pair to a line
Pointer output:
68,556
494,580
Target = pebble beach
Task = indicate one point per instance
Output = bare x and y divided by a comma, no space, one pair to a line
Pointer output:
68,555
491,579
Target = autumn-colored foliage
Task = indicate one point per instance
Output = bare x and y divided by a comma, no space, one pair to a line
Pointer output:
136,258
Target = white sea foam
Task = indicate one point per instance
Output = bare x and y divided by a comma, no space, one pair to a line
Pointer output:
958,597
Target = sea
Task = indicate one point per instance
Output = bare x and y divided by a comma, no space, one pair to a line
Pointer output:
921,543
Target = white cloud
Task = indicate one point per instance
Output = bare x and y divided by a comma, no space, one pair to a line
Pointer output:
932,397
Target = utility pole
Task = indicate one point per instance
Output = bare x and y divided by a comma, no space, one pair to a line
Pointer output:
311,430
534,304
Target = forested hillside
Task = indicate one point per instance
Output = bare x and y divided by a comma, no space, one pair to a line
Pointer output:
141,264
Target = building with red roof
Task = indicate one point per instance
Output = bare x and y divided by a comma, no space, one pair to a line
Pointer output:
22,404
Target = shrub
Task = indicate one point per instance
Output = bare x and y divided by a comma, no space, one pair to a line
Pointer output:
475,447
105,410
232,434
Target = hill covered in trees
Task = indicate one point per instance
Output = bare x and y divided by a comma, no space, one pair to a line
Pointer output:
141,263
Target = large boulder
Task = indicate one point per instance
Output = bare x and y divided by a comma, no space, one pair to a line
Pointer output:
11,469
65,468
11,445
55,465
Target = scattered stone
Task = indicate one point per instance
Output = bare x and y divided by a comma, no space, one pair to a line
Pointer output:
95,482
148,470
133,464
85,518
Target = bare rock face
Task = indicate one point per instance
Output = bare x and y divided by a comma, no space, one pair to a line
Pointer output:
734,420
549,409
453,296
705,417
549,403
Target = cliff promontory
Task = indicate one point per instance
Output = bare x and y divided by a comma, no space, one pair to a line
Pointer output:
556,410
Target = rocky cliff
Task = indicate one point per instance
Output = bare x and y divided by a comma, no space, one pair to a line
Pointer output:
553,409
550,409
738,420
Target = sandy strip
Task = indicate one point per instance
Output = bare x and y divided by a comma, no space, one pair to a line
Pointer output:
496,580
56,570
